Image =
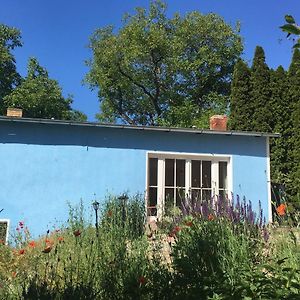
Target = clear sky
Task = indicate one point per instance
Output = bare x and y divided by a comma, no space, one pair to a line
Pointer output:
57,33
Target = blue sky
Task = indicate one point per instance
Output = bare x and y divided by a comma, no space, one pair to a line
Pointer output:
57,33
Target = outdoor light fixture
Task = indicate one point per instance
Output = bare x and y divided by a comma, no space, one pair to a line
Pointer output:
123,198
96,205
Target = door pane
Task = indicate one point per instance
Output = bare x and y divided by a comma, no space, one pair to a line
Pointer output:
196,195
196,165
152,197
206,174
169,198
169,172
206,195
180,196
180,172
223,175
153,171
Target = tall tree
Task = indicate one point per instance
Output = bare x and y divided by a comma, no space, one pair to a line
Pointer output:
278,123
157,70
41,97
293,133
241,107
10,38
260,92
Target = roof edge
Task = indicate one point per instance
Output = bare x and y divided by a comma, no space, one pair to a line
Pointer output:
137,127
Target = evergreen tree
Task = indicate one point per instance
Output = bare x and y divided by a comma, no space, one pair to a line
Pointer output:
260,92
293,135
279,105
241,108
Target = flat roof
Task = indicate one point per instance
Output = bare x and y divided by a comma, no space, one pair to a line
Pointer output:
136,127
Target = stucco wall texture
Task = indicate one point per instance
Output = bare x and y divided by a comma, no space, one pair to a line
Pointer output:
44,166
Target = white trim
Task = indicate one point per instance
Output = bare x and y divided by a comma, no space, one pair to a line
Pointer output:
161,156
269,180
7,229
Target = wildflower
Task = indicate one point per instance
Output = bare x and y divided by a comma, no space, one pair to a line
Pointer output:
21,251
189,223
210,217
21,224
48,242
13,274
176,229
281,209
32,244
18,228
47,249
142,280
60,239
109,213
77,232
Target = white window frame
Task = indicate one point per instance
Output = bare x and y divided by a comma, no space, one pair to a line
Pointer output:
188,157
7,228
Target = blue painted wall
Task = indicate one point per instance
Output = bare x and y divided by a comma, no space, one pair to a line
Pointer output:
43,166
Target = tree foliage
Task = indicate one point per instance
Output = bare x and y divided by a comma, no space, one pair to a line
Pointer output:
293,96
269,100
241,108
260,92
41,97
10,38
156,70
291,28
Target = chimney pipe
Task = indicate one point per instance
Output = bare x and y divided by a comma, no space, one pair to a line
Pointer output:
14,112
218,122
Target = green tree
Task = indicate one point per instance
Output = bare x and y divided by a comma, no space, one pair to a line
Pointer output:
292,29
156,70
260,92
293,131
9,77
279,123
41,97
241,107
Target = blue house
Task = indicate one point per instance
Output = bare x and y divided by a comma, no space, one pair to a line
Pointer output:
46,163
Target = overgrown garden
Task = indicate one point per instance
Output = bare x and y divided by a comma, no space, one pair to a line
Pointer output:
214,250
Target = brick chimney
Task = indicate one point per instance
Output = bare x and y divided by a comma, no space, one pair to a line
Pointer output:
218,123
14,112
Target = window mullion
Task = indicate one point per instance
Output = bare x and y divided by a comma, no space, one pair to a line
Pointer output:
215,177
160,187
188,176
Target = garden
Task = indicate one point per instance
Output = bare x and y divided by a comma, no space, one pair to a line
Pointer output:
217,249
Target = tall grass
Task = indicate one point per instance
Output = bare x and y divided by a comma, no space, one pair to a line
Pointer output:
209,250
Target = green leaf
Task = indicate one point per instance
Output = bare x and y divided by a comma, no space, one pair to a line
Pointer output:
289,19
297,45
291,28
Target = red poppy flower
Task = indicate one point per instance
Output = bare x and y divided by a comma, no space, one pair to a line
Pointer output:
210,217
77,232
32,244
176,229
21,251
48,242
13,274
47,249
60,239
281,209
189,223
142,280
